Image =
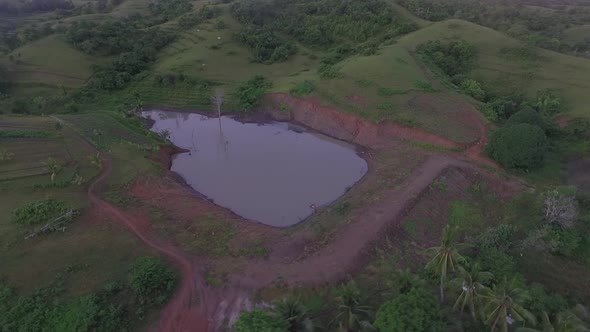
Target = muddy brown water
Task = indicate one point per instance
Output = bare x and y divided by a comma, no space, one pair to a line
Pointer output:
275,173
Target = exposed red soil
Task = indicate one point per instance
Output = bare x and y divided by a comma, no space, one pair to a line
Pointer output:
345,126
348,249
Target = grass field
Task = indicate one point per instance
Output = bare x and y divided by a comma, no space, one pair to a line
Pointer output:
74,259
49,65
495,67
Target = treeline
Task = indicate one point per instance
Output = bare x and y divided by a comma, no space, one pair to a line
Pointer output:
471,281
317,24
135,48
35,6
117,306
538,27
526,132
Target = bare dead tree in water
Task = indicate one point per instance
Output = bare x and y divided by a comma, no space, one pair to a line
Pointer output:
218,98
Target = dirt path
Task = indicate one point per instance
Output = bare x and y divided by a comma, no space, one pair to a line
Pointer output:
188,310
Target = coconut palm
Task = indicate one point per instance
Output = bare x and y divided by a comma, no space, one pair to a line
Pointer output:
575,320
6,155
96,160
503,305
445,257
295,314
472,283
53,167
352,315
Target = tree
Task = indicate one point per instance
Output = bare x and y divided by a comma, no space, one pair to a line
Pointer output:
503,304
472,283
295,315
561,210
444,258
151,280
547,102
352,314
53,167
96,160
518,146
574,320
527,115
249,92
259,321
416,310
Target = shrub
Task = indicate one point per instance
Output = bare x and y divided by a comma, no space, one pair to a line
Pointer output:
518,146
38,212
151,280
473,89
259,321
416,310
303,88
499,238
529,116
544,301
249,92
329,71
499,263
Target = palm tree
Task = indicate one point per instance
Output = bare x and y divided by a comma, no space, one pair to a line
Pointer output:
53,167
444,257
295,314
503,306
471,283
96,160
6,155
352,315
575,320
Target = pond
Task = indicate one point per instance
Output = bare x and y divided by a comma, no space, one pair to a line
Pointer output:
275,173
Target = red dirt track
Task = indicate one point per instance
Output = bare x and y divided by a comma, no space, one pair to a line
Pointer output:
195,307
181,313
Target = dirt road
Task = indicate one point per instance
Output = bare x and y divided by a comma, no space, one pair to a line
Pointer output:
188,309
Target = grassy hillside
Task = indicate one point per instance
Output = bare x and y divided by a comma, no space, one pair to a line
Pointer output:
500,67
51,63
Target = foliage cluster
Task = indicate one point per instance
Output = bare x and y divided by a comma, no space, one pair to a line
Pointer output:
454,58
190,20
39,211
169,9
266,45
248,93
321,24
518,146
116,307
24,133
535,25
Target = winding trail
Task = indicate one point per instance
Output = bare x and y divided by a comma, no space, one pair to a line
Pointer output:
188,309
195,307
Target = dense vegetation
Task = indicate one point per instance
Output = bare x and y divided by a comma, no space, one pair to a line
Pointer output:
317,24
536,26
116,307
38,212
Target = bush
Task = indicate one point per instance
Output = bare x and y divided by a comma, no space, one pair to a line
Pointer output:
248,93
151,280
39,212
259,321
529,116
518,146
473,89
303,88
328,71
499,263
416,310
499,238
544,301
